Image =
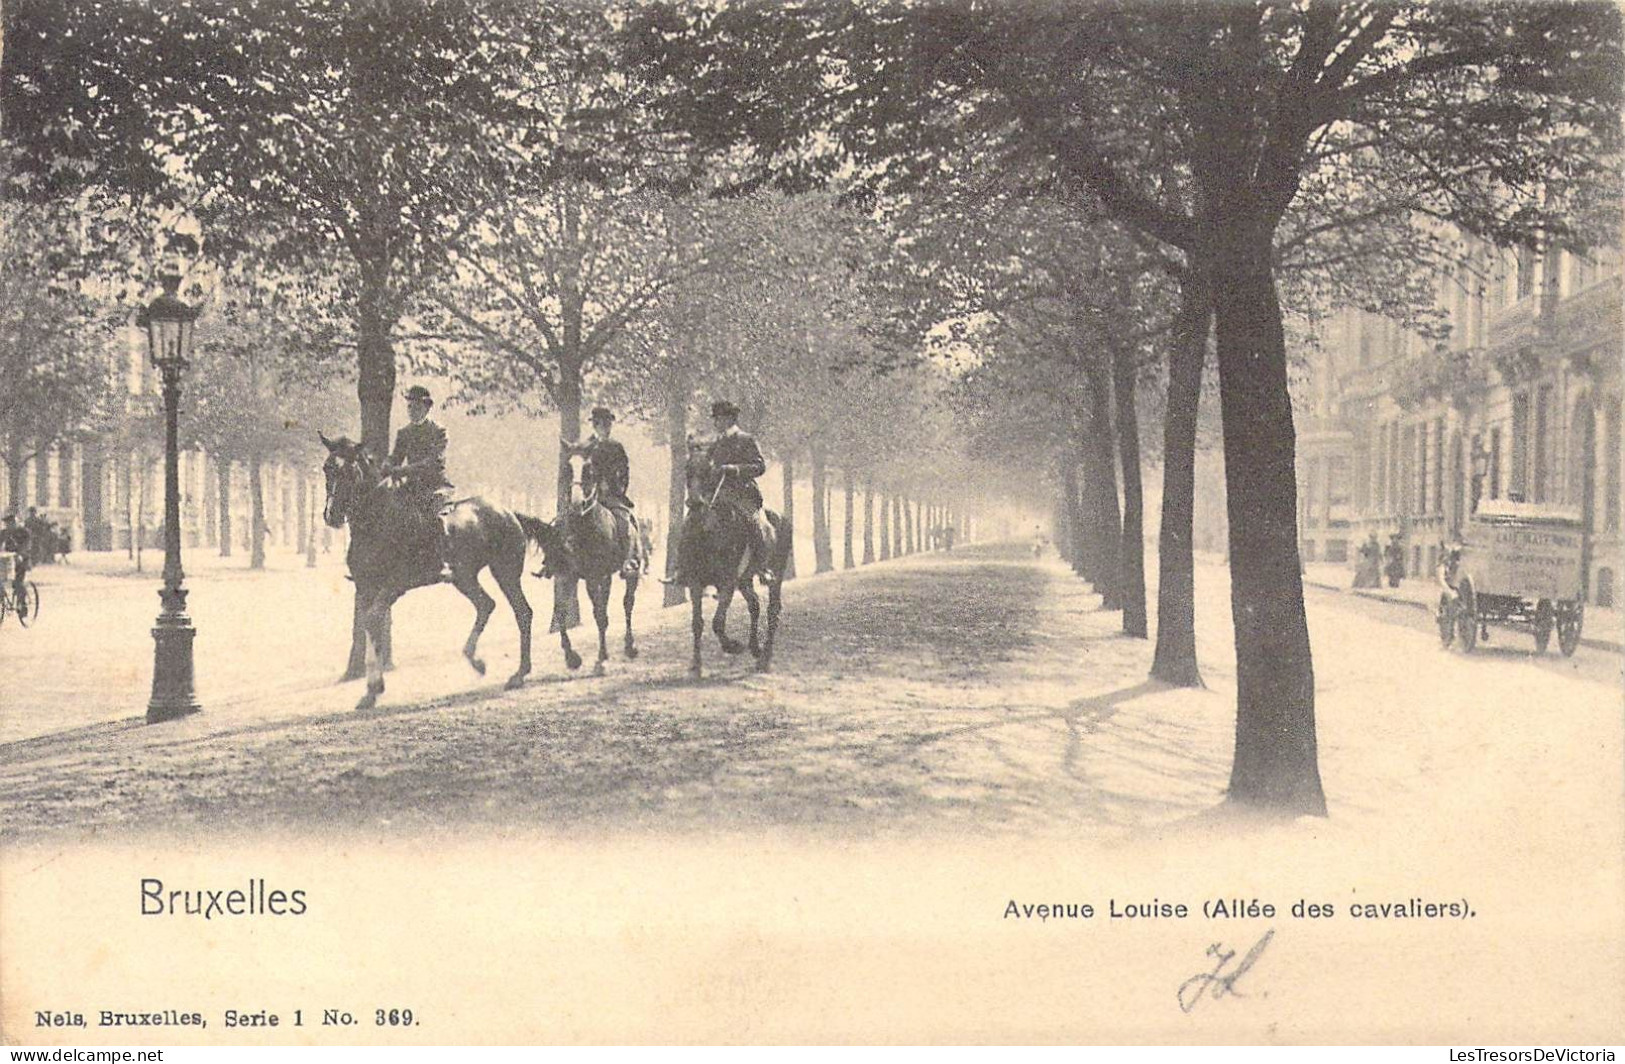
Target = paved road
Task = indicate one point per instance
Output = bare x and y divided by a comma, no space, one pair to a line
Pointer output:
979,691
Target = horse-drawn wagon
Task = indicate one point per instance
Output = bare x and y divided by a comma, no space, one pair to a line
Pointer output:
1519,564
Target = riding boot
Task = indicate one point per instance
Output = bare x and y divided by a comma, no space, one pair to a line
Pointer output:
764,570
434,534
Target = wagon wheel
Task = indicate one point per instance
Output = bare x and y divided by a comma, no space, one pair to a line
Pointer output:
1447,620
1467,615
27,607
1543,625
1569,621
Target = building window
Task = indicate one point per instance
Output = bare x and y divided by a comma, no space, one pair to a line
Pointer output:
1362,479
64,484
1495,463
1380,471
1519,485
1526,272
1310,503
1396,467
1611,476
1438,466
1544,425
1605,587
1584,271
1421,482
1338,488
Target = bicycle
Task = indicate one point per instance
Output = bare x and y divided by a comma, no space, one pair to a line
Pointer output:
24,603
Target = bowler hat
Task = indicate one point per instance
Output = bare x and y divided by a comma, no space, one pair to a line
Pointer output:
601,413
723,408
416,393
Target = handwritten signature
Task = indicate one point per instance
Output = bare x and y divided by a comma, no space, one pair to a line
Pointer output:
1223,978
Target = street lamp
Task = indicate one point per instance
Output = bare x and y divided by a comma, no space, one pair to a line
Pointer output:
168,322
1481,469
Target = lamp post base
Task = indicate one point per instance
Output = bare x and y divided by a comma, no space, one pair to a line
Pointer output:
172,693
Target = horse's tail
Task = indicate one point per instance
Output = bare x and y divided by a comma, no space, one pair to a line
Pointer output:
542,533
782,531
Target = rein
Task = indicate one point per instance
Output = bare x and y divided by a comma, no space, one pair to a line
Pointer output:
714,494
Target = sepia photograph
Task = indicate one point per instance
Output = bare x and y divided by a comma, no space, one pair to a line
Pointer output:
812,521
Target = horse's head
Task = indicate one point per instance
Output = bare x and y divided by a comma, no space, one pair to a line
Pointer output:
582,494
703,477
349,473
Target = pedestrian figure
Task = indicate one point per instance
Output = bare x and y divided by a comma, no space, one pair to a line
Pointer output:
1395,555
1369,572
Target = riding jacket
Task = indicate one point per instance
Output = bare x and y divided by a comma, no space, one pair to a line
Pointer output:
424,442
736,448
610,466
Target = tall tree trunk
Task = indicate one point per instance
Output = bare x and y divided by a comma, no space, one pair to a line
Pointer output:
846,517
897,525
127,502
566,593
1087,560
823,554
1276,761
15,480
375,387
869,521
566,596
1101,475
258,529
1128,453
312,510
301,514
222,472
676,486
1070,540
885,527
141,510
908,525
1175,658
790,516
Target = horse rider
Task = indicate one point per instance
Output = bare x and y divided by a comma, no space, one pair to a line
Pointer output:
419,464
15,539
737,457
609,472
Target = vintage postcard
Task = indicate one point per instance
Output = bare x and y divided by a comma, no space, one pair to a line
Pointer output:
850,522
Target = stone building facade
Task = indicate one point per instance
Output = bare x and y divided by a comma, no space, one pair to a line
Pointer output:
108,491
1526,389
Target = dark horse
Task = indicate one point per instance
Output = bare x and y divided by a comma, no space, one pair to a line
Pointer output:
592,543
715,552
384,525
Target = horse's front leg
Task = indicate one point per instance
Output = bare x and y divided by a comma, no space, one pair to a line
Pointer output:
627,602
753,604
696,600
377,611
719,623
572,660
598,591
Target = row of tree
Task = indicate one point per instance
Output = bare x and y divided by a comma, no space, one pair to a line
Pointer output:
1093,198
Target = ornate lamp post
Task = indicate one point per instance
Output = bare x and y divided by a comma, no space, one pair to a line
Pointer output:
168,322
1481,469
